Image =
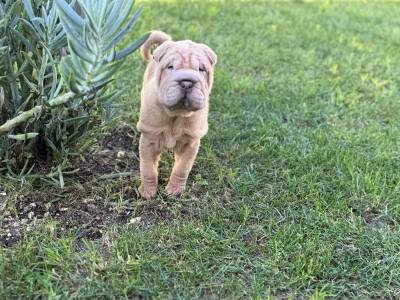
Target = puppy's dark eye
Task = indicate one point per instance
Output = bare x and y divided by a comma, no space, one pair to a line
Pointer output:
202,69
170,67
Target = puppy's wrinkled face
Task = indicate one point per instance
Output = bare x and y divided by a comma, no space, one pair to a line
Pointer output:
185,75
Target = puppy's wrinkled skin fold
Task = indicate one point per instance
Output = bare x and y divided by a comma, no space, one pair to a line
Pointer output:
174,107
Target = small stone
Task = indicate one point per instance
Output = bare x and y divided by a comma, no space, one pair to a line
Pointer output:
30,215
106,153
120,154
135,220
9,234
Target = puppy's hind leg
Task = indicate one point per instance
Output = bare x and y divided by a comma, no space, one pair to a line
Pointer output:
184,158
149,156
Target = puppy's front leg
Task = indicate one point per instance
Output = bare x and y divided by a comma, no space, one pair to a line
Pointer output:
185,154
149,155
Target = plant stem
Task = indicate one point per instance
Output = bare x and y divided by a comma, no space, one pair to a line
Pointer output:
23,117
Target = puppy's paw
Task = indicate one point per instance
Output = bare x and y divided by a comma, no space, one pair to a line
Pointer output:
148,191
174,188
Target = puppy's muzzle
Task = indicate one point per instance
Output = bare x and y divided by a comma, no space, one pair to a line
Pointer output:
189,95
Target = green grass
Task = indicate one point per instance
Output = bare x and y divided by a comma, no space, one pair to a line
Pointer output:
295,192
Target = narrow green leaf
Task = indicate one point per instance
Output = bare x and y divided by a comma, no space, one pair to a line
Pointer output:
112,16
61,177
123,13
103,10
25,41
28,8
133,47
73,86
69,13
34,20
107,72
110,96
127,29
31,85
92,23
81,51
102,84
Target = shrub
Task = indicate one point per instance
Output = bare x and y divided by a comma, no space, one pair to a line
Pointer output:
55,65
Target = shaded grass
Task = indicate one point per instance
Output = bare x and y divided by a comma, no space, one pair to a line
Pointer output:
295,192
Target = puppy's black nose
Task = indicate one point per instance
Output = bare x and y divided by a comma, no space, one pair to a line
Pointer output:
186,84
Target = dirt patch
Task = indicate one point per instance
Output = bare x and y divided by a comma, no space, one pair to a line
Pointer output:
102,193
375,219
87,213
118,154
89,210
84,205
123,137
285,294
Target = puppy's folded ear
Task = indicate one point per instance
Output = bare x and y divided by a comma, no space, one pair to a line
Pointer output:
162,50
212,57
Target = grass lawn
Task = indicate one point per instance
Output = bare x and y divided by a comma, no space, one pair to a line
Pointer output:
295,192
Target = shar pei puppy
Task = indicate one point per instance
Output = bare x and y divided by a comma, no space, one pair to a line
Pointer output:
174,108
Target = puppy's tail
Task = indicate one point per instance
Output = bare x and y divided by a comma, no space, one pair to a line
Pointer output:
155,38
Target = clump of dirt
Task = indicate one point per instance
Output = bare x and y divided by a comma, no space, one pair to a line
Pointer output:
118,154
123,137
376,220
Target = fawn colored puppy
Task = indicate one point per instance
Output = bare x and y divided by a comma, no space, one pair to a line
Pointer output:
174,108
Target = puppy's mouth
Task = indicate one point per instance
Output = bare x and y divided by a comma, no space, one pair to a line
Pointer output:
183,104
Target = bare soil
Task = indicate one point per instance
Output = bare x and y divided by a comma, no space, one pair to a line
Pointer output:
81,206
87,204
